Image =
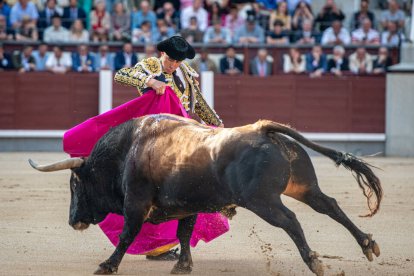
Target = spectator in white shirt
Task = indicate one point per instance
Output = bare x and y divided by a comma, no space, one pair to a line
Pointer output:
336,35
56,33
392,36
58,62
365,35
360,62
195,10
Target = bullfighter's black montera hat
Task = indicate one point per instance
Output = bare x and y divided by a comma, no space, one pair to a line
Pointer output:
176,48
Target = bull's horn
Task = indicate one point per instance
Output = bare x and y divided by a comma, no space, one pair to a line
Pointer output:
69,163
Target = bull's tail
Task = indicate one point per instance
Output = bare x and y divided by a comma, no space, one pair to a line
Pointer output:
367,180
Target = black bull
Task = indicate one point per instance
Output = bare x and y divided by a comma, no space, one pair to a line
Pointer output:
162,167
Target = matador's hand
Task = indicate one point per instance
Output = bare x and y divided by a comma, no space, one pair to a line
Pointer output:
158,86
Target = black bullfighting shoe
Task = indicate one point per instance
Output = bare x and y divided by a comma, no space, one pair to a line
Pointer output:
170,255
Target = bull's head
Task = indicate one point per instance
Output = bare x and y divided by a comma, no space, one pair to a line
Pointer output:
80,214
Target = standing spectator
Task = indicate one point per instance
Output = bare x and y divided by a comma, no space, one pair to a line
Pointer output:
41,56
196,10
120,24
316,63
338,63
392,36
366,35
303,12
294,62
230,64
217,34
233,20
259,65
78,33
58,62
56,33
126,58
393,14
203,63
215,13
382,62
23,9
328,15
143,34
361,15
45,16
5,33
277,36
5,60
305,36
24,61
250,32
27,31
281,14
170,15
5,11
192,33
103,59
83,61
163,31
100,22
144,14
360,62
336,35
73,12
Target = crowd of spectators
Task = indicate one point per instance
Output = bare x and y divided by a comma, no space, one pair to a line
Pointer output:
225,22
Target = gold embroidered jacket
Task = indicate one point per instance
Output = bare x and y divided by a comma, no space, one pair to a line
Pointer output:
191,98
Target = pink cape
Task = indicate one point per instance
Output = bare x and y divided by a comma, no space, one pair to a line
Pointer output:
80,140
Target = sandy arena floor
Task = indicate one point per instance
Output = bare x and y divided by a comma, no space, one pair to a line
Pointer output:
37,240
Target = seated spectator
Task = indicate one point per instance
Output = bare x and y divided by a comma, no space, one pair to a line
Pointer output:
163,31
5,60
328,14
126,58
83,61
143,34
382,62
281,13
338,63
5,33
170,15
5,11
216,14
393,14
120,24
260,65
192,33
58,62
23,9
267,4
159,5
336,35
392,36
78,33
103,59
262,16
150,51
303,12
45,16
144,14
41,56
24,61
305,36
293,4
233,20
359,16
27,31
316,63
250,32
56,33
294,62
217,34
230,64
197,11
366,35
73,12
360,62
277,36
203,63
100,22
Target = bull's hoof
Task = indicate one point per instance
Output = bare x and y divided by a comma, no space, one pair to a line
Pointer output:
369,247
106,269
315,265
181,269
